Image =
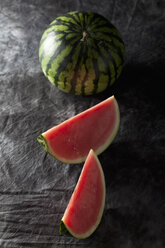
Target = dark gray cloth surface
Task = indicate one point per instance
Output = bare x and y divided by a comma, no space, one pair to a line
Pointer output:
34,187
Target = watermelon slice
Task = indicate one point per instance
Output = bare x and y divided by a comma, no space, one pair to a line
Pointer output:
95,128
85,209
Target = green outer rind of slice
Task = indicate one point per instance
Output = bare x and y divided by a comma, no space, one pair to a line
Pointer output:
42,140
63,227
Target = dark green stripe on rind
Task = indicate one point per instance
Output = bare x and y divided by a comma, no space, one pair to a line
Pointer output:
60,48
107,55
75,75
52,36
66,39
64,63
96,69
115,58
70,25
115,41
95,18
89,17
86,71
77,15
52,33
72,16
103,56
81,71
109,35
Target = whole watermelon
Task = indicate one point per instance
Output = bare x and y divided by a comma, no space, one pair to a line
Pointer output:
81,53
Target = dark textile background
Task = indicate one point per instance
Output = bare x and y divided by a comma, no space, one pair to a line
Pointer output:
35,187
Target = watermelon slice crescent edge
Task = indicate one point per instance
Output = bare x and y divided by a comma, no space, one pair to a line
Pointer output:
85,208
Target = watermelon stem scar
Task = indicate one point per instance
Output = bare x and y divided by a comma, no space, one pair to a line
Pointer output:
84,36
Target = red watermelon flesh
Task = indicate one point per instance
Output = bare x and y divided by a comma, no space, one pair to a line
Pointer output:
85,209
95,128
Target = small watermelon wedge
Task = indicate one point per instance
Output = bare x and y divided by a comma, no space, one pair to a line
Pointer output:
85,209
94,128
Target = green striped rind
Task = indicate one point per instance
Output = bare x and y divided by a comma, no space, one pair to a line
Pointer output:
81,65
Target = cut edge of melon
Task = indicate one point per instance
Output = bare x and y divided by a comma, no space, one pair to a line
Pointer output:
42,140
63,226
114,133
